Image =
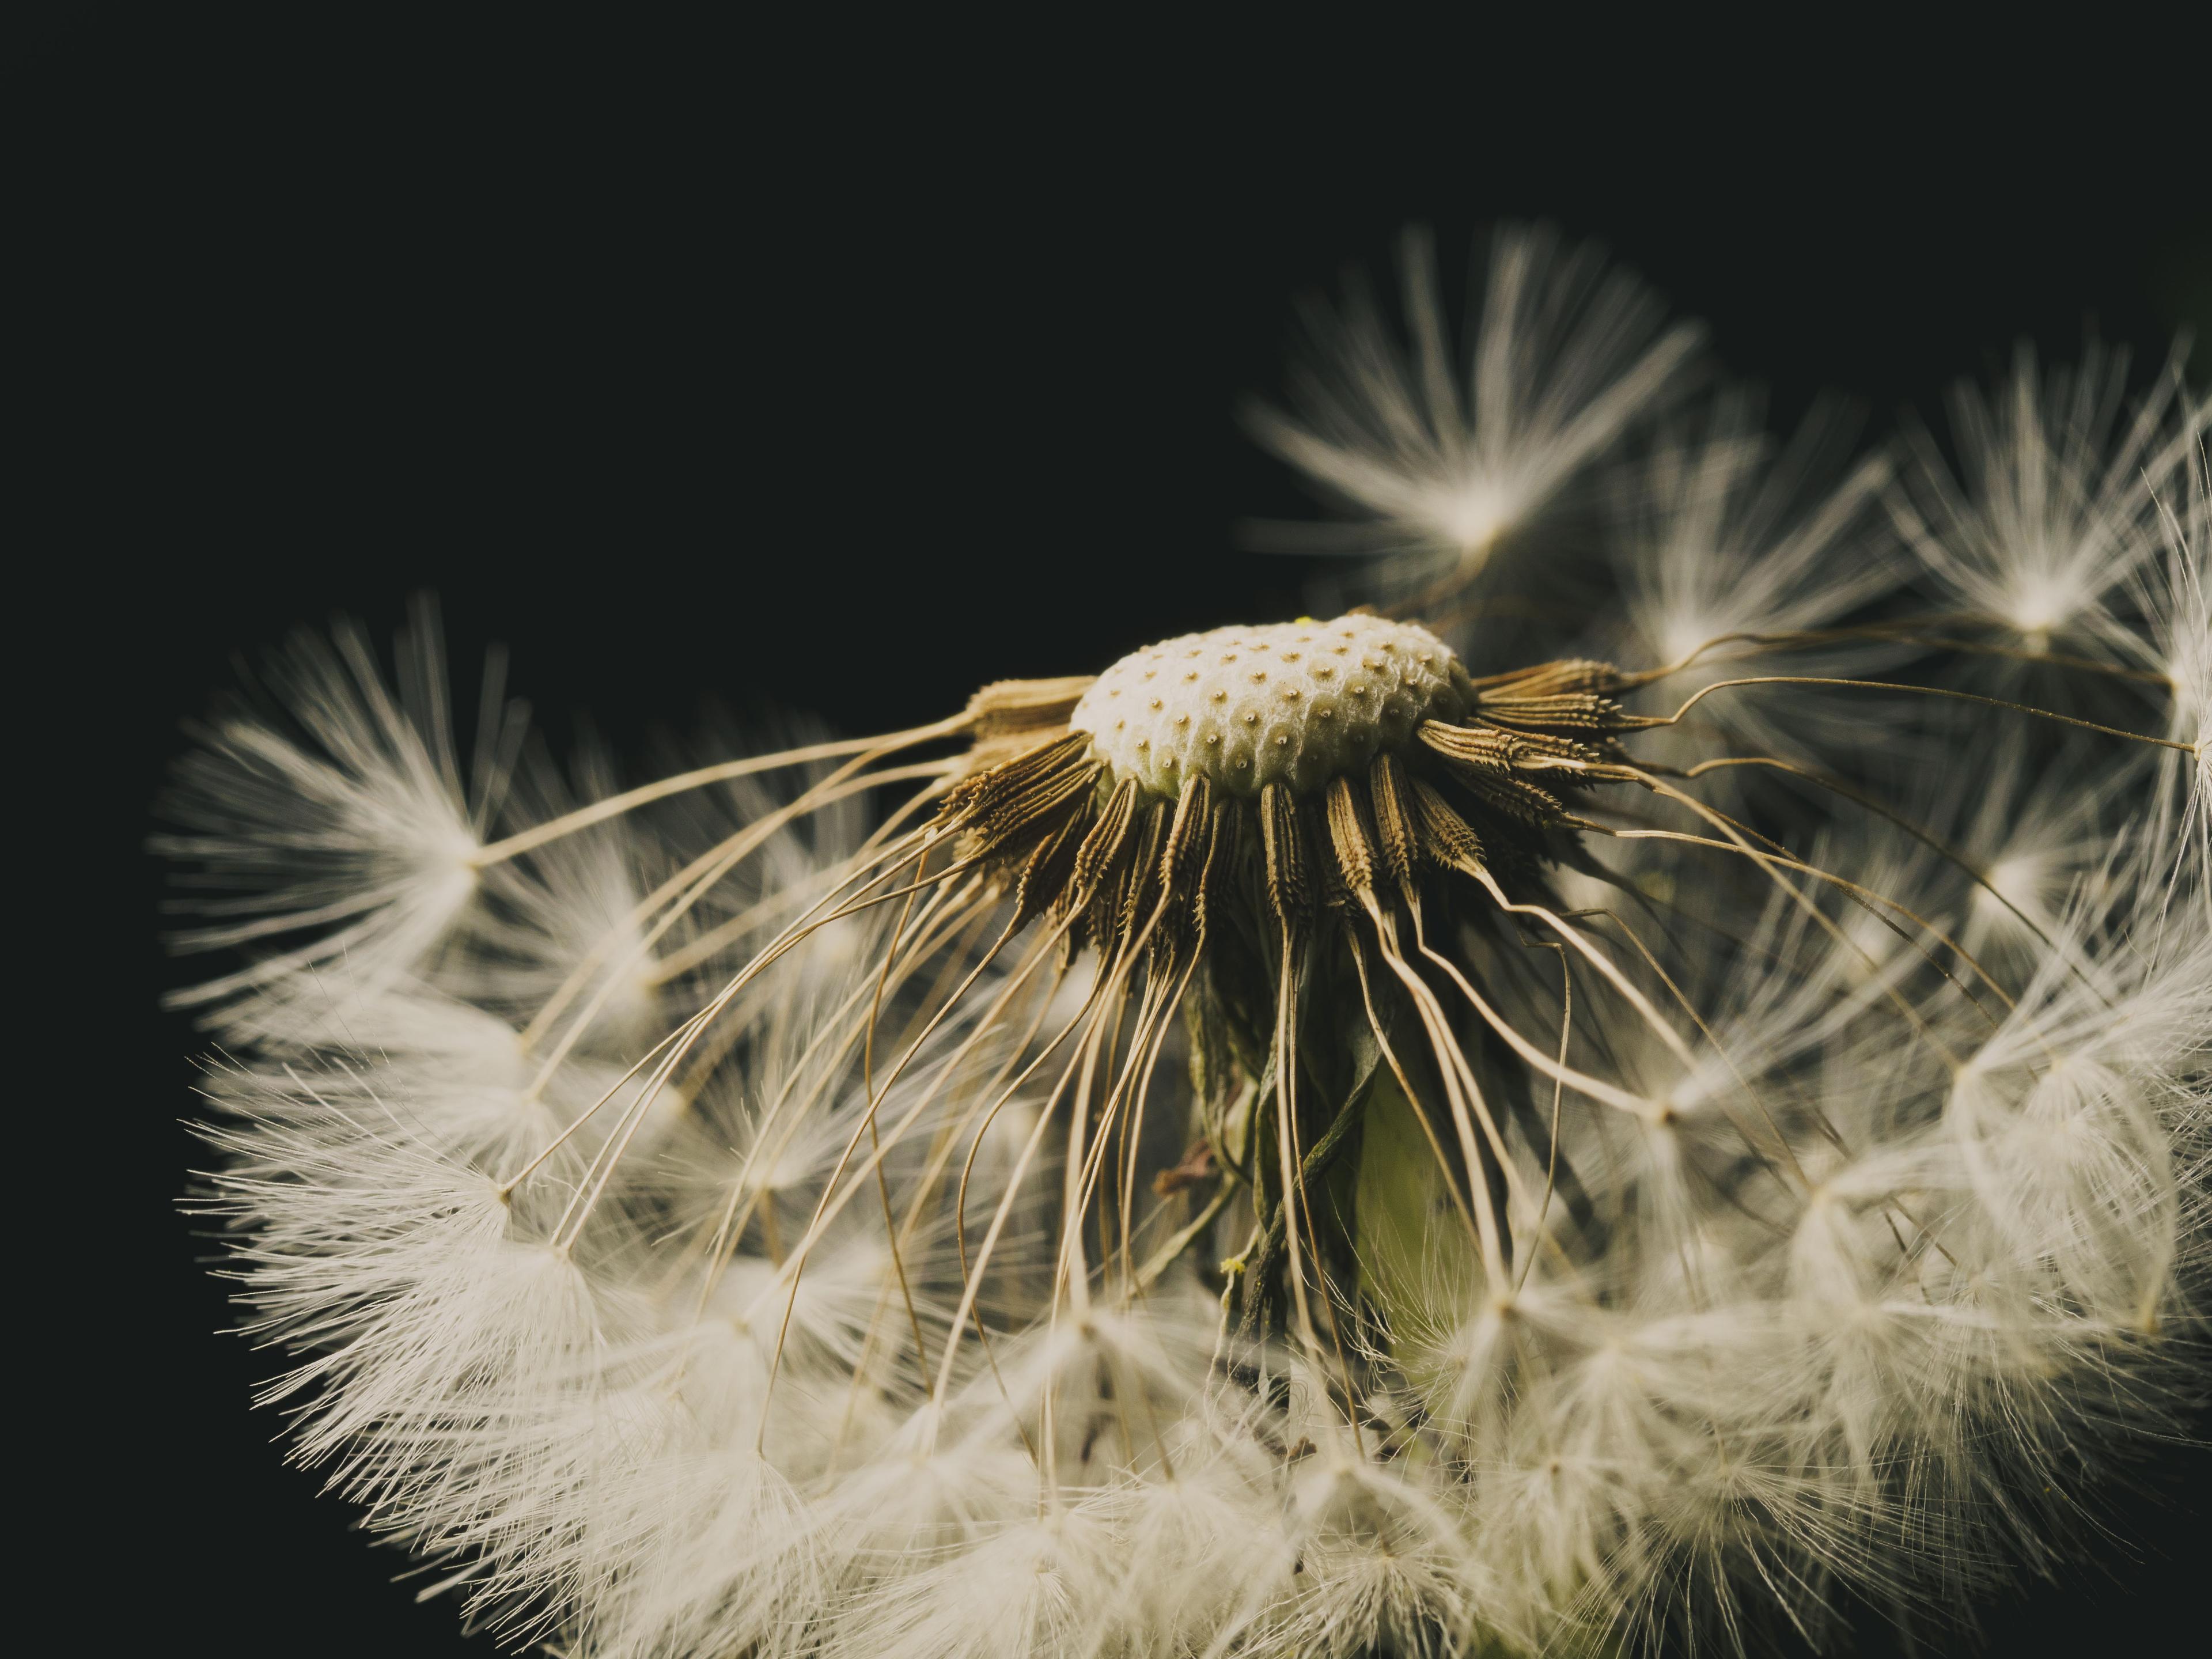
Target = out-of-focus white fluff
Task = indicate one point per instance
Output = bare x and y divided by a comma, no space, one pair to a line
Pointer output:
2173,594
1755,1382
1737,546
2056,504
1447,454
342,815
1738,535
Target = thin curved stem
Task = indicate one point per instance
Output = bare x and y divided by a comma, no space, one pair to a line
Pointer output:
599,811
1648,722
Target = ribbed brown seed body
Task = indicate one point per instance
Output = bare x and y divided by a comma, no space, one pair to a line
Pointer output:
1182,876
1445,836
1395,823
1006,811
1517,797
1222,847
1566,676
1010,716
1289,878
1094,859
1579,711
1044,873
1355,855
1131,912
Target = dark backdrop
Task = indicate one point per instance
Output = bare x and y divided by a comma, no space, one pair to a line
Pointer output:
845,376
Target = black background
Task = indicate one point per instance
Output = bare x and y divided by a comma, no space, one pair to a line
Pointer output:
840,374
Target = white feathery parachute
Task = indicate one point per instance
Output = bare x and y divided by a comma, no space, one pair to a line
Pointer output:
1371,1136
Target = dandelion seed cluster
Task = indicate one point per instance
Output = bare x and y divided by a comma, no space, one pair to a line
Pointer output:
1404,1133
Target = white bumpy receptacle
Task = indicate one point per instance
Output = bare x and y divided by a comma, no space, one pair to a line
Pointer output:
1285,702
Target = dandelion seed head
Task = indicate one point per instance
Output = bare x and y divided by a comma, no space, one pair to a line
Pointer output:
1289,1146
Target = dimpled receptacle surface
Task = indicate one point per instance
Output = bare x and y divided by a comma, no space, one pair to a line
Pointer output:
1285,702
